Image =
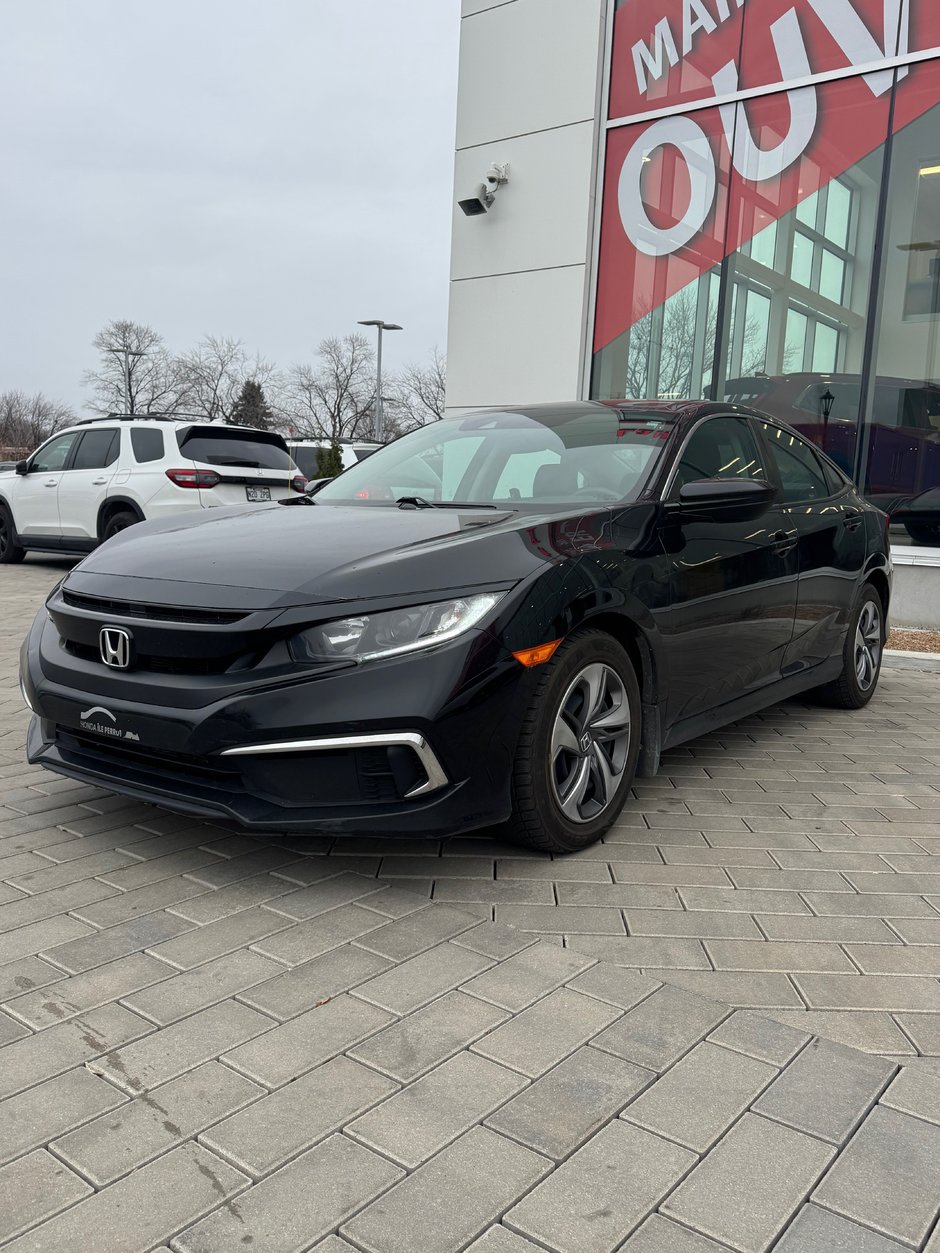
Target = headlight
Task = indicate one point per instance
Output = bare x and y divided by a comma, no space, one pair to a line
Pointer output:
394,632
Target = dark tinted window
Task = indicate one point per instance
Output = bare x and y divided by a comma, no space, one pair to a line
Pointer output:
721,448
54,455
147,444
834,480
222,448
306,461
799,468
97,450
363,453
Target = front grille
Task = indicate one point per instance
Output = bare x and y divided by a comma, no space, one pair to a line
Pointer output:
159,664
152,613
177,765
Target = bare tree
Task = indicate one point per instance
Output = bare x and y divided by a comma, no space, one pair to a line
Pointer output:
422,390
334,398
25,421
214,373
155,382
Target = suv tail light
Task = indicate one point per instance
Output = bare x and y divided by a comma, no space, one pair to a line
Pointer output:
298,483
193,478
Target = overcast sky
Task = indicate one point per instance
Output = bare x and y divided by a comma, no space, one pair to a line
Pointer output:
272,170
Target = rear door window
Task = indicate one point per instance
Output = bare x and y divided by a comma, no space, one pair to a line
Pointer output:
800,470
96,450
221,448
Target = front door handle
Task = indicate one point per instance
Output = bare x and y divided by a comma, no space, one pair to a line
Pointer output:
51,483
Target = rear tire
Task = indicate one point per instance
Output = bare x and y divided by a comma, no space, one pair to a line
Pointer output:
861,655
119,521
11,553
578,750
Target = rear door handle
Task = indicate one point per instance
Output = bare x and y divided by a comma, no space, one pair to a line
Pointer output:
852,519
98,482
783,542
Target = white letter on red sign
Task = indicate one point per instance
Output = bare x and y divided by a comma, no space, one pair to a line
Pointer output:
652,60
692,142
857,42
752,162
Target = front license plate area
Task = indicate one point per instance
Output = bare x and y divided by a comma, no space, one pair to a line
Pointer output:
258,493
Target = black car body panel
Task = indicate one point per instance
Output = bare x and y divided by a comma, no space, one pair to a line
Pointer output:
721,616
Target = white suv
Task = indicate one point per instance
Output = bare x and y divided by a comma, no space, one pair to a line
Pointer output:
92,480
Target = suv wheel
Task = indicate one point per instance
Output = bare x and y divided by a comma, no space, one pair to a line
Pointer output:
861,655
579,745
119,521
921,532
10,550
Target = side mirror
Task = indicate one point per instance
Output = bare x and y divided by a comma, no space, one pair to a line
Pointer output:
22,467
315,485
724,500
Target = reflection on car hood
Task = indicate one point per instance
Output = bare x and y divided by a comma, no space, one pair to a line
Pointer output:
276,556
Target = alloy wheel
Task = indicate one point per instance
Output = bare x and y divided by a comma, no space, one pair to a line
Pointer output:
590,743
868,645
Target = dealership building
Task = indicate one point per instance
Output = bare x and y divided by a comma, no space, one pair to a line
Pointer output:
730,199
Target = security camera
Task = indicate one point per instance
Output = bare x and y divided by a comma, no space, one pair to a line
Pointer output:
485,196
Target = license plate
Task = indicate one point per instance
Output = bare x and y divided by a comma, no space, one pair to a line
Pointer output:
258,493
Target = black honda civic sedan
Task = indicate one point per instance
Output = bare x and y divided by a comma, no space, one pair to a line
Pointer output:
500,619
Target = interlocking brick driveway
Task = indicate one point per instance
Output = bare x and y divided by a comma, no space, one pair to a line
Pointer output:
222,1041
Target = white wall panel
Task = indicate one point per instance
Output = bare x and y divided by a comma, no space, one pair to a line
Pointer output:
542,216
515,338
528,66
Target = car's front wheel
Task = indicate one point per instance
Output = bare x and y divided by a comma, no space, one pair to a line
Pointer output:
862,653
10,551
579,745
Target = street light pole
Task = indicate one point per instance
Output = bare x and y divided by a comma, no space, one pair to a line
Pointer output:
126,353
379,421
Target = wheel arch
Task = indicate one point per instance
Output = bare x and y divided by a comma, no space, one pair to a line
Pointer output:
879,581
113,505
634,640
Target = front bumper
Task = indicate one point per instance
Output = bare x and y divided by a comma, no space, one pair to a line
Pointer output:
420,745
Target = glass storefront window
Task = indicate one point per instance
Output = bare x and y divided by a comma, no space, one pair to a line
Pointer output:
901,457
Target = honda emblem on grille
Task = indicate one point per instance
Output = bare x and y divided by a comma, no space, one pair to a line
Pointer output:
115,647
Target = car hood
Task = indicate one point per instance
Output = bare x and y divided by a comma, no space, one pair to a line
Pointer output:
280,556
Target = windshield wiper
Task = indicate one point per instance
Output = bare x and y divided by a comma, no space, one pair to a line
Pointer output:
419,502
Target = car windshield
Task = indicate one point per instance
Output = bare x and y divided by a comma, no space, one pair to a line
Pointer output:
510,460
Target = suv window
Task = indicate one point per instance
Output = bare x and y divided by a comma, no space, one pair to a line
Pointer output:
223,448
54,455
147,444
721,448
96,450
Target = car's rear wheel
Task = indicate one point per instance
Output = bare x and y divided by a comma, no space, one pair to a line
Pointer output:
923,532
10,551
117,522
861,655
578,749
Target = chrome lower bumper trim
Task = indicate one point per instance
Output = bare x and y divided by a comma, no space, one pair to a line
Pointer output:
393,739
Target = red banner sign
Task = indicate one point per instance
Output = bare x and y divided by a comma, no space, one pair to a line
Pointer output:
683,192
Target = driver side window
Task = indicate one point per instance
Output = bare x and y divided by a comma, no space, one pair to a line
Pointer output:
721,448
54,456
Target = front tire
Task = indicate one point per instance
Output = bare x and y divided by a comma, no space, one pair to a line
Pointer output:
862,654
578,750
119,521
11,553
